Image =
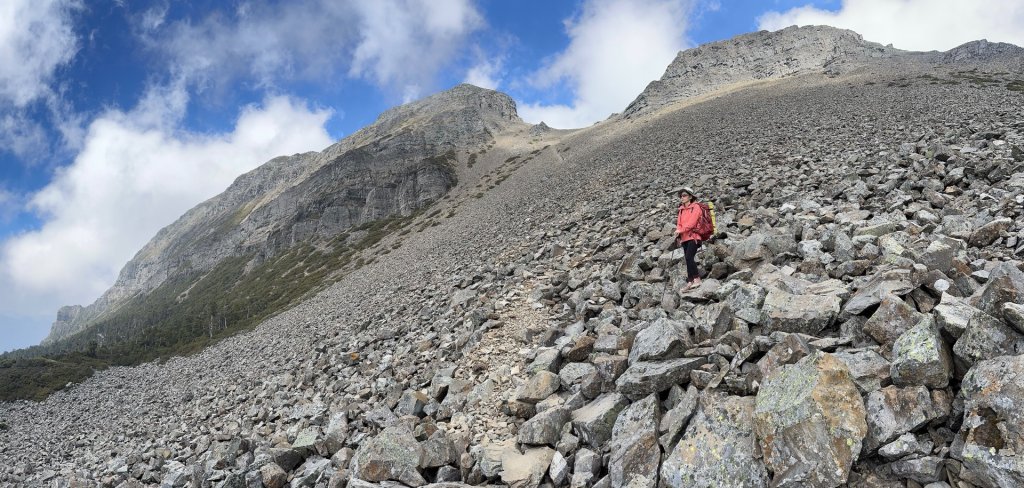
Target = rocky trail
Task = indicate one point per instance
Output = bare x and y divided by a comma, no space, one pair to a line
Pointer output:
861,323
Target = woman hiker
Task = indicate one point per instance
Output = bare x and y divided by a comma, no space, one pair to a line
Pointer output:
686,235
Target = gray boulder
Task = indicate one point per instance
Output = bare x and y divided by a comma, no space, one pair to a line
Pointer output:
273,476
1005,285
807,314
635,454
892,318
394,454
545,427
746,302
645,377
868,369
718,448
525,470
585,468
894,411
593,422
882,284
810,422
986,337
921,357
538,387
675,420
661,340
993,427
314,470
953,314
1014,315
437,451
988,233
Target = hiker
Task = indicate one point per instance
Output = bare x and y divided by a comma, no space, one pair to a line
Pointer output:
686,235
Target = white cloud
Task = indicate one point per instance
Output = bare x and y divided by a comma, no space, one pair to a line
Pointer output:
916,25
22,137
137,171
404,42
399,45
616,48
153,18
485,74
36,38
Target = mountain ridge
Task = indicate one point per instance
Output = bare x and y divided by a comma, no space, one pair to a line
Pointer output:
461,116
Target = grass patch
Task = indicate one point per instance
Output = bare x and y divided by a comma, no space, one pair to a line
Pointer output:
1016,86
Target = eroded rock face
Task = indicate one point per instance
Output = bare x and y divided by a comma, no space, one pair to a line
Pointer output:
993,428
810,422
718,448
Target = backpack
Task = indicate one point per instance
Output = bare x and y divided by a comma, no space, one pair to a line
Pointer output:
706,222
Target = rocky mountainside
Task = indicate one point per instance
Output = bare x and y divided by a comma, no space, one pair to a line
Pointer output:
794,50
860,323
400,163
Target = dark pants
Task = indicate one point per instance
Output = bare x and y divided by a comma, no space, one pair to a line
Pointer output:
690,252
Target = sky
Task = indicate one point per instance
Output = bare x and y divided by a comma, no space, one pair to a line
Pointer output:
118,116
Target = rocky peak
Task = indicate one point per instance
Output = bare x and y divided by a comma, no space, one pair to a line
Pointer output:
493,109
756,56
983,50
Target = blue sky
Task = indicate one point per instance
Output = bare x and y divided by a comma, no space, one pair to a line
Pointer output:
117,116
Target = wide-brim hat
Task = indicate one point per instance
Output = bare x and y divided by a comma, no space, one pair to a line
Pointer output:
680,190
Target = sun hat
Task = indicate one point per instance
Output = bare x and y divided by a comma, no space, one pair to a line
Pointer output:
686,189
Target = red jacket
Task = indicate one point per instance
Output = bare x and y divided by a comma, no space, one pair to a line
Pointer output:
686,222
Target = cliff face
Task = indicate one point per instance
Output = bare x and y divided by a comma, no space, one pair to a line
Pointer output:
401,162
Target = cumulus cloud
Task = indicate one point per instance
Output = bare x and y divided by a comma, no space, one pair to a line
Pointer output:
137,172
404,42
400,45
616,48
485,74
917,25
36,38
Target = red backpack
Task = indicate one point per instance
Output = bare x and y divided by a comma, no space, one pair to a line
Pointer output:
705,223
